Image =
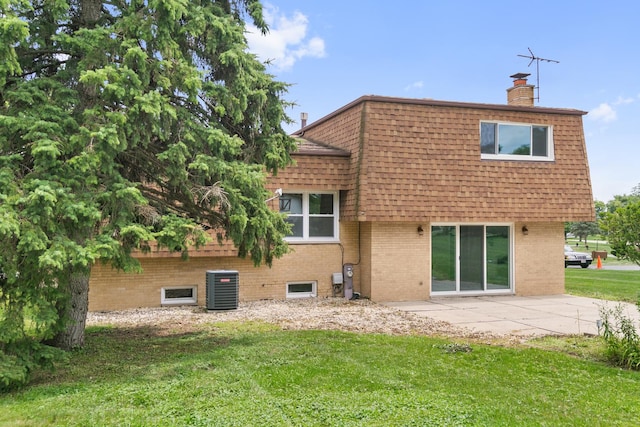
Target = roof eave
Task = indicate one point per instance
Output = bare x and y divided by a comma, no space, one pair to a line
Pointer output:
437,103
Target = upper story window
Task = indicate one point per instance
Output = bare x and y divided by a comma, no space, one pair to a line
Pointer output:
314,216
514,141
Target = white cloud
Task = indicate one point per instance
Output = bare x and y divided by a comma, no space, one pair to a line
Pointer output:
286,42
414,85
603,112
621,101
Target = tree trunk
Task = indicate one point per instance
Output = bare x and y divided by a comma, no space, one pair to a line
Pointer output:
90,12
74,312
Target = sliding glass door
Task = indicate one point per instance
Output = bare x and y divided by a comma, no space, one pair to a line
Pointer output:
443,258
470,258
498,246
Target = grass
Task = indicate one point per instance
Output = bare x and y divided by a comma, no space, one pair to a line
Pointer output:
615,285
612,285
252,374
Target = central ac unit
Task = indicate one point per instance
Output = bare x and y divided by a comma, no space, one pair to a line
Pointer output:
222,289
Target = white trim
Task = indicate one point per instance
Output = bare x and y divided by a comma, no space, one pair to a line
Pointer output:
550,157
458,292
515,157
179,301
312,294
305,218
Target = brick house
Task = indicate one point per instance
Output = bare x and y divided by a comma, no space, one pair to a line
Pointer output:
417,197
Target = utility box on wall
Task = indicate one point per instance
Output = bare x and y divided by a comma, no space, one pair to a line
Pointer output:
347,274
222,289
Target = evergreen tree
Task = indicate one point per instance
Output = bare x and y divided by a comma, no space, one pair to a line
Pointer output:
125,124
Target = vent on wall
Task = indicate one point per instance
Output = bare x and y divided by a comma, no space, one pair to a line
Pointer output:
222,289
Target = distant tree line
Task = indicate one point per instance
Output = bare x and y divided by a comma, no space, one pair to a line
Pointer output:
618,221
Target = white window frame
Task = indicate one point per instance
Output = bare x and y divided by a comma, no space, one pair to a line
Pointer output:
305,218
512,252
529,157
312,294
179,301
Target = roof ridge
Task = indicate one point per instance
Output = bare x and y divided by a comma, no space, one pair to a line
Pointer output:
440,103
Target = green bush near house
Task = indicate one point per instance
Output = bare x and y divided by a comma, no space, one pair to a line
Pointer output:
621,336
620,333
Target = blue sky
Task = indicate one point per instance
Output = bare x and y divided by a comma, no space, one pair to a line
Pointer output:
333,52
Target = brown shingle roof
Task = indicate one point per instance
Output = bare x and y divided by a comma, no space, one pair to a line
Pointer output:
318,166
417,160
315,148
437,103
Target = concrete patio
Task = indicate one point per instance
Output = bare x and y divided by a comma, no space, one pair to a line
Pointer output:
518,315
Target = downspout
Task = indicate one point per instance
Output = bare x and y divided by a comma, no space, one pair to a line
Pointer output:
363,118
360,215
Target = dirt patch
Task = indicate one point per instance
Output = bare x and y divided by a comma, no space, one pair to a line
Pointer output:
324,314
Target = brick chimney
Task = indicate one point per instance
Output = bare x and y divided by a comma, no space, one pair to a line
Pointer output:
521,93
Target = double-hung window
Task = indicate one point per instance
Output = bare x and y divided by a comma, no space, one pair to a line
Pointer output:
515,141
313,215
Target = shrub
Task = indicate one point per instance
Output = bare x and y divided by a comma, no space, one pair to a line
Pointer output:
19,359
621,337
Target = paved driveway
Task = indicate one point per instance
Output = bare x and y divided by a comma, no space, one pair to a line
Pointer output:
517,315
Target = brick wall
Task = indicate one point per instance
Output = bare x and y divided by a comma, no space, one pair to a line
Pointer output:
363,275
521,95
539,259
113,290
400,269
392,264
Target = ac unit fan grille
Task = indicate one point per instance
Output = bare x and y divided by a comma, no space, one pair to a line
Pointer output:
222,290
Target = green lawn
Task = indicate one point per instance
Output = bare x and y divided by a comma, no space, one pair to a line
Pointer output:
251,374
605,284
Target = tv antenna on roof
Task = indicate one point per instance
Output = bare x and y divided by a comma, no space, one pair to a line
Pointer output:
532,57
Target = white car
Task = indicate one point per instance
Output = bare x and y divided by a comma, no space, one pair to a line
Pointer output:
572,257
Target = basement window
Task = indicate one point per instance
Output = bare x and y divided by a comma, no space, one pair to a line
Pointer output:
516,141
302,289
179,295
